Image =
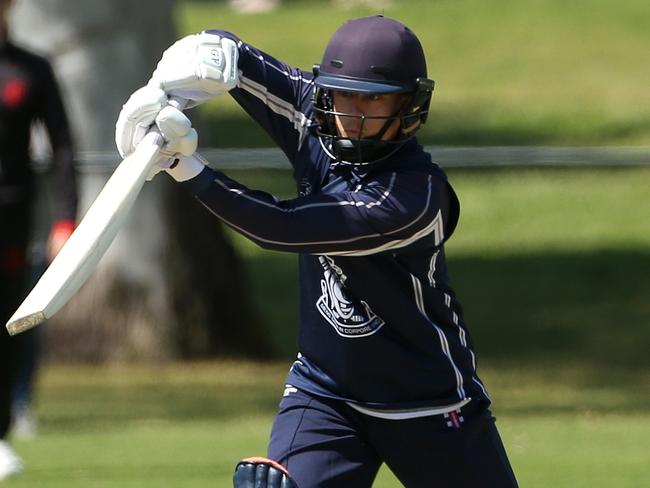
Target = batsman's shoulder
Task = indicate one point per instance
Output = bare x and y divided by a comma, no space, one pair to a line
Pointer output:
408,180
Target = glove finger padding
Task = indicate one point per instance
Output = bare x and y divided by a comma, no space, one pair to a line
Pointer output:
137,116
198,68
259,472
177,154
177,130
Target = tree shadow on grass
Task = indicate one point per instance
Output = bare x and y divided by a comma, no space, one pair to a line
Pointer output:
556,333
590,307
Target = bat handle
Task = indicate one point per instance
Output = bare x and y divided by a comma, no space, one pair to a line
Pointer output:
153,137
178,102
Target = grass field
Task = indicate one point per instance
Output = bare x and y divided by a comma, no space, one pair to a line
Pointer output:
563,251
525,72
186,425
550,264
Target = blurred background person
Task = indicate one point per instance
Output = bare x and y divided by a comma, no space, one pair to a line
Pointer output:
262,6
254,6
28,93
26,350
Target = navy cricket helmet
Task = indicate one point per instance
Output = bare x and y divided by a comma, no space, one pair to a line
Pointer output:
373,56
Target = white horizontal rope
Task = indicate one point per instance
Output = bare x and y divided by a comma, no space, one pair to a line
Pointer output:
446,156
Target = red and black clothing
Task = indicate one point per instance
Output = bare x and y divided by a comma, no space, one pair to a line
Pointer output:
28,93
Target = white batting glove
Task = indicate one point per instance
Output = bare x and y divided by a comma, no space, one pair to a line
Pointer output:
180,160
146,107
197,68
137,116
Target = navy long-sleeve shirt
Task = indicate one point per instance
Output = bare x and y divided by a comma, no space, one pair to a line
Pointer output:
380,327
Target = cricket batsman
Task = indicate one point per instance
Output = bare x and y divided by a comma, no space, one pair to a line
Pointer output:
386,371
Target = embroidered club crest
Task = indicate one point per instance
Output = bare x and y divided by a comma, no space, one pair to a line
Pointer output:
349,318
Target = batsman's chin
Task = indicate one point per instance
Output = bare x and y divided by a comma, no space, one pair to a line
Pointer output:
16,325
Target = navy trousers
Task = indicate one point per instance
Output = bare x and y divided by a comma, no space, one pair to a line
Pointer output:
325,443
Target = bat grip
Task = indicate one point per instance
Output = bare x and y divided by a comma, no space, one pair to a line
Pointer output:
153,136
178,102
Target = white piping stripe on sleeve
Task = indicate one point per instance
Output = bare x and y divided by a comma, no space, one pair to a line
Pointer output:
386,193
277,104
378,202
389,245
284,72
419,300
463,341
287,74
269,241
432,266
316,205
281,107
482,387
438,232
463,337
396,244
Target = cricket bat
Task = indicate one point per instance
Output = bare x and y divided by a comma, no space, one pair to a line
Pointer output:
90,240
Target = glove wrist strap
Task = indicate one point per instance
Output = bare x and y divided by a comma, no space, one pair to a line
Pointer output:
186,168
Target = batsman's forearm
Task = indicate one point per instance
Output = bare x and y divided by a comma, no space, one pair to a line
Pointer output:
344,223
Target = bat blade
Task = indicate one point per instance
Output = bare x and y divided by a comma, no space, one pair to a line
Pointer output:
90,240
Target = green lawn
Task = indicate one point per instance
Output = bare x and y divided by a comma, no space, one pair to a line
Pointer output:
564,252
549,263
525,72
186,425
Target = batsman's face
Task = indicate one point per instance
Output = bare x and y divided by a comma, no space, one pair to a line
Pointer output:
356,105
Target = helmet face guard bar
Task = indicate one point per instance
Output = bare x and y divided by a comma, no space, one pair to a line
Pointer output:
371,149
325,129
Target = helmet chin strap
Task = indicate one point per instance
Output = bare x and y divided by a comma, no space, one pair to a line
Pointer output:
367,152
